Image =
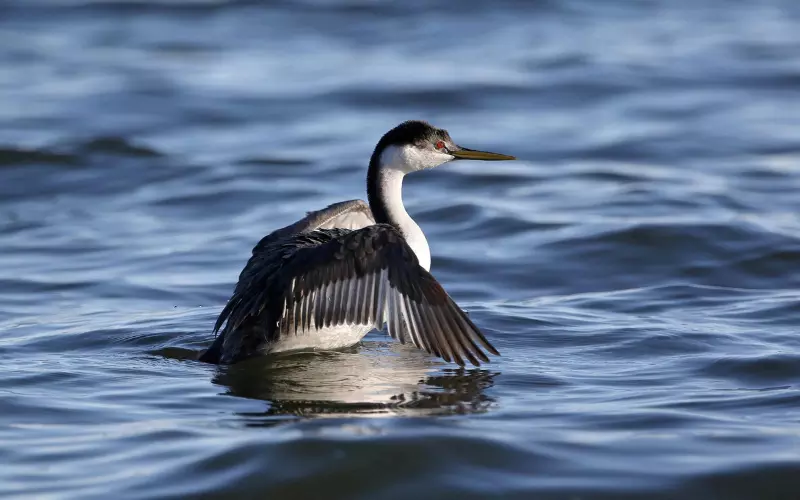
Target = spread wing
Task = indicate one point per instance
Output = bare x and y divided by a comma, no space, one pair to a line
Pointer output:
351,214
368,277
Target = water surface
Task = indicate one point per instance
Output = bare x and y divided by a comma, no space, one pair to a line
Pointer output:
637,269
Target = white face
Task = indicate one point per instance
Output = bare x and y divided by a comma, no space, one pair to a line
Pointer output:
411,157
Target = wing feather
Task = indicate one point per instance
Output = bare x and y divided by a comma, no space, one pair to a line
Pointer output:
367,277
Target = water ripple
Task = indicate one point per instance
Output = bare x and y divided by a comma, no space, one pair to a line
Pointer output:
637,268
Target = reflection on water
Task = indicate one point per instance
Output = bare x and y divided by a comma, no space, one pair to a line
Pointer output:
391,380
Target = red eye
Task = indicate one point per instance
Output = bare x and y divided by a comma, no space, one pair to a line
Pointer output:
440,145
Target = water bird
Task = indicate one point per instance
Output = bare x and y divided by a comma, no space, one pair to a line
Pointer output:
328,279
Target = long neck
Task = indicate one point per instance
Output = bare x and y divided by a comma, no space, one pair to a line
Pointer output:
385,194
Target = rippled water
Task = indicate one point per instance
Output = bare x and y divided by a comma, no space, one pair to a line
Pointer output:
638,268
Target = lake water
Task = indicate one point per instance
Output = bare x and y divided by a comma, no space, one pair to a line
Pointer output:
638,268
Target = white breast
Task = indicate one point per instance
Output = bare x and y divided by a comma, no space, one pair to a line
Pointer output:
334,337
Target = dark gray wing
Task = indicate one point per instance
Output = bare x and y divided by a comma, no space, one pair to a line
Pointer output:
364,277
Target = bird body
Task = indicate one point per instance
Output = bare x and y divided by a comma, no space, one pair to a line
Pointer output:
328,279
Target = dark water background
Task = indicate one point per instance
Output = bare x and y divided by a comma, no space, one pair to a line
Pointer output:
639,269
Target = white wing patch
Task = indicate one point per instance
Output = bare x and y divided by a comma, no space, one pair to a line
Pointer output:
349,308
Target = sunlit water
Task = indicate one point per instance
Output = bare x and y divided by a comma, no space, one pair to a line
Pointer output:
638,269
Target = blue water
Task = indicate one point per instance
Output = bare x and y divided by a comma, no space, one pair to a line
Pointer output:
638,268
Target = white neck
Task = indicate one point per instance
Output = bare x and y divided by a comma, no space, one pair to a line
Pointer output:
390,180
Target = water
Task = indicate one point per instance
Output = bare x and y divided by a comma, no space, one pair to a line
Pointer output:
637,269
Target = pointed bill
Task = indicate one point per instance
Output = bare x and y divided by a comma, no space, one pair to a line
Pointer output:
472,154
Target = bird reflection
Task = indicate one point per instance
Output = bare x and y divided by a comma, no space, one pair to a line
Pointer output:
384,379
